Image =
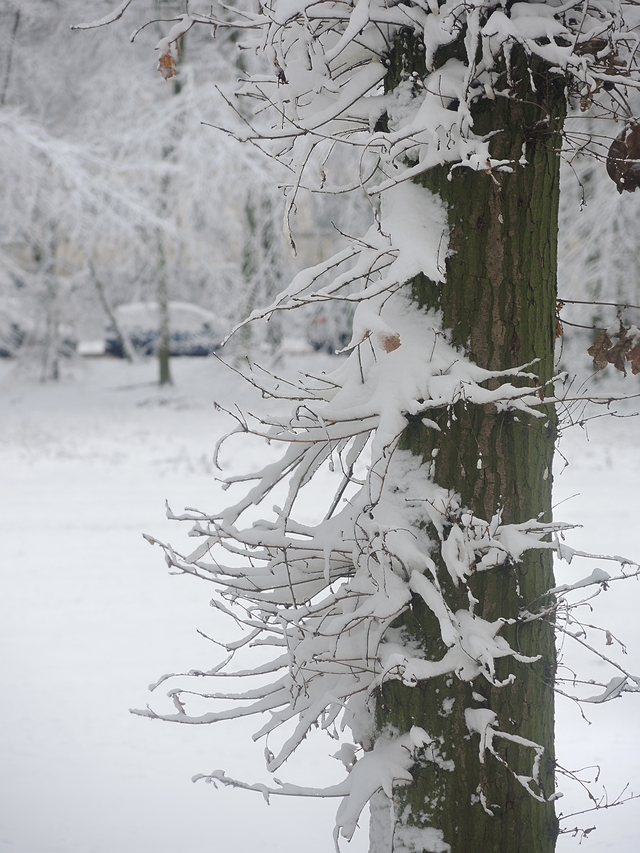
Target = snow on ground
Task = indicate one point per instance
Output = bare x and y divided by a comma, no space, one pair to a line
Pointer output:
89,616
598,490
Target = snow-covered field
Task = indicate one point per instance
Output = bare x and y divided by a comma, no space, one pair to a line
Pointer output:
89,617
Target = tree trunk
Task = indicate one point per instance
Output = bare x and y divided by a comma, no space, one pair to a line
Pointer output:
261,271
113,321
7,73
499,303
164,332
162,291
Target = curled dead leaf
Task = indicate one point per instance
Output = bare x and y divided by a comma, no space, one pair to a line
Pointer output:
585,103
282,80
167,66
616,355
633,357
559,329
391,343
627,349
598,351
623,160
591,46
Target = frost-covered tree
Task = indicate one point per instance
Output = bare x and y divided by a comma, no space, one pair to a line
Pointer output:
62,206
414,619
102,190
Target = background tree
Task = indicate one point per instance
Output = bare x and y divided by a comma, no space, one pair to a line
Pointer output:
115,171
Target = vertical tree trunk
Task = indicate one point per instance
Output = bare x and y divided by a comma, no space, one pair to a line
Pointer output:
7,73
261,270
249,267
51,344
164,332
162,291
499,303
113,320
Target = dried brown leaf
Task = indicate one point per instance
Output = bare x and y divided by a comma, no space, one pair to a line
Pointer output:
167,66
585,103
598,351
591,46
616,355
391,343
559,328
623,160
633,356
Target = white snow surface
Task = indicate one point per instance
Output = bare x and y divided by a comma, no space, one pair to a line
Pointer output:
410,839
89,617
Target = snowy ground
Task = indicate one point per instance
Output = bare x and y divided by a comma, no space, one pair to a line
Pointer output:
89,616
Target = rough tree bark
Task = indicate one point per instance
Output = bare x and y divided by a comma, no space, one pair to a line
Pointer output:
499,303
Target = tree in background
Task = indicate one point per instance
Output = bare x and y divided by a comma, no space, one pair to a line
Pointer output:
263,264
103,197
61,210
417,612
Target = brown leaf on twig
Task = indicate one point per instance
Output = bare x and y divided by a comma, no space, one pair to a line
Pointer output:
617,353
391,343
167,66
585,103
598,351
282,80
559,329
604,351
623,160
634,358
591,46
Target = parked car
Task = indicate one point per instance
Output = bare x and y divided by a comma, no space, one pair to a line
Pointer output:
193,330
14,328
